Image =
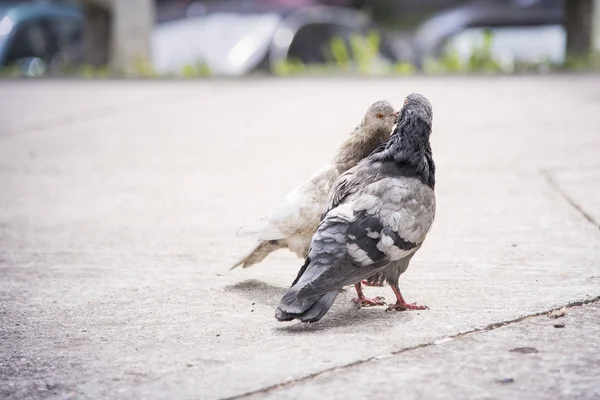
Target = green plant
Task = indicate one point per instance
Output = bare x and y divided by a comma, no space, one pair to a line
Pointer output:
339,52
90,71
583,63
482,59
143,69
361,55
290,67
365,50
195,70
403,68
10,72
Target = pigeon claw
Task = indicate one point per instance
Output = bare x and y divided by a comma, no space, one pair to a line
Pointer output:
401,304
405,306
367,283
367,302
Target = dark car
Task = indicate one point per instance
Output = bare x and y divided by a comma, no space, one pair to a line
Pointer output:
234,38
522,30
33,37
229,38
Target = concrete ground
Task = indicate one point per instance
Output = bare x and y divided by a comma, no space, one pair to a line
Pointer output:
120,201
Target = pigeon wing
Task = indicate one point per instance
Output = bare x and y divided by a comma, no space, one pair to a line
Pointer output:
385,222
299,213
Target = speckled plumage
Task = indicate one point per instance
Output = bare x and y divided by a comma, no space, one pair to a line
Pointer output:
293,222
379,214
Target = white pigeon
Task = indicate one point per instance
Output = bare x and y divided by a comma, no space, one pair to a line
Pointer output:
295,220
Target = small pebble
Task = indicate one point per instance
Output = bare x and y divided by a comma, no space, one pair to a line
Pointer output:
524,350
559,325
505,381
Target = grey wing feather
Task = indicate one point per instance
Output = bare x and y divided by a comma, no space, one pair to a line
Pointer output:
408,208
344,272
320,308
342,187
344,251
386,222
348,183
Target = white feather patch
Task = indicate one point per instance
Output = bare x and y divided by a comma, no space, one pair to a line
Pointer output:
368,203
372,235
343,211
359,255
387,247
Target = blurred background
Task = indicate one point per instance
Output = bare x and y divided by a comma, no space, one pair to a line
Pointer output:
120,198
188,38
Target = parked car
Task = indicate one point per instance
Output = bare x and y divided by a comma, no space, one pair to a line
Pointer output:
525,31
231,38
34,36
239,38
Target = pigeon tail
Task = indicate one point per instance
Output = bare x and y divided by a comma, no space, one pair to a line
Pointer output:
261,229
305,310
259,253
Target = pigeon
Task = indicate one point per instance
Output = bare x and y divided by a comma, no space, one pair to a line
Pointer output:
293,222
379,214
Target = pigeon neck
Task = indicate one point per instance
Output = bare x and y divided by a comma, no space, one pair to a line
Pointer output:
409,147
358,146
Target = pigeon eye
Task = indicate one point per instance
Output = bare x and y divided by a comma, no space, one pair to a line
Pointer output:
380,116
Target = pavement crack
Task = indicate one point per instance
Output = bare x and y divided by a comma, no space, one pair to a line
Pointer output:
556,186
376,358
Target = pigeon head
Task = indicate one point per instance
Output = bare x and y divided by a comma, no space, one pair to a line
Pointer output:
414,123
416,106
409,144
374,130
381,115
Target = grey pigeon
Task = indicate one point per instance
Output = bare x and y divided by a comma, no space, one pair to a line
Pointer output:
379,214
293,222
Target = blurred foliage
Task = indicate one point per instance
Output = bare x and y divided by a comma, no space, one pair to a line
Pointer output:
195,70
92,72
359,55
140,70
583,64
338,53
290,67
143,69
10,72
481,60
362,57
